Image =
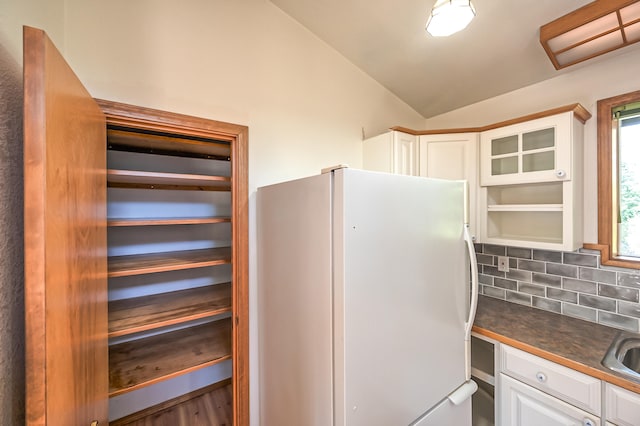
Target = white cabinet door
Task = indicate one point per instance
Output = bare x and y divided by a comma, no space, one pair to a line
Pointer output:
452,156
535,151
391,152
522,405
622,406
405,154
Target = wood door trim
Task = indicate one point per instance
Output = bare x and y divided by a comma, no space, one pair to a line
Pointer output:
135,117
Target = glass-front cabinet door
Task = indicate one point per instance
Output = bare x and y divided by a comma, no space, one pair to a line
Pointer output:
535,151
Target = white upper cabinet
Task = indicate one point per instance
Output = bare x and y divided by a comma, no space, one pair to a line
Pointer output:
534,151
531,182
391,152
444,156
452,156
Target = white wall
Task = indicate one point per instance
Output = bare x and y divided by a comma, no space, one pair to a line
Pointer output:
241,61
607,76
14,14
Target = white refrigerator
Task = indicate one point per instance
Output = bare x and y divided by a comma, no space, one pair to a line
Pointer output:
365,305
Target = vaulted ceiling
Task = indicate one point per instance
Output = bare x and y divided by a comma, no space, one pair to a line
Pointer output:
498,52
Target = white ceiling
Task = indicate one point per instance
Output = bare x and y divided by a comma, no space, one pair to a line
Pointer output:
498,52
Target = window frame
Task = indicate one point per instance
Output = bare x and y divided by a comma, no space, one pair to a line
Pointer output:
605,184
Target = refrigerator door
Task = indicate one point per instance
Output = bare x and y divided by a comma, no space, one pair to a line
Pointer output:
400,296
295,303
447,414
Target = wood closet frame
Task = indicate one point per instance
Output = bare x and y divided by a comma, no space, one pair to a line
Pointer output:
65,238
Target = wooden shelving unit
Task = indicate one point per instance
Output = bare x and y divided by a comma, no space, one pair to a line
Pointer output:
145,348
143,362
114,222
166,143
121,266
144,313
158,180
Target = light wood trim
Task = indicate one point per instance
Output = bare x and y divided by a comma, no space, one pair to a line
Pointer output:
240,226
167,355
128,316
149,412
128,116
579,112
575,19
138,264
137,178
136,117
168,143
437,131
120,222
593,372
605,209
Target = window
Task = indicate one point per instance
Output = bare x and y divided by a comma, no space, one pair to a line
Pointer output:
619,180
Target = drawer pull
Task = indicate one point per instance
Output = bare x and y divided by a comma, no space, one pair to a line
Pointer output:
541,377
588,422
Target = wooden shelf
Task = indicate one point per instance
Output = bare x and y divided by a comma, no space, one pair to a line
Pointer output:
159,310
166,221
140,363
121,266
524,208
169,143
157,180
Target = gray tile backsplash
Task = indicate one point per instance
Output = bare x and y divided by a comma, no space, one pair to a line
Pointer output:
569,283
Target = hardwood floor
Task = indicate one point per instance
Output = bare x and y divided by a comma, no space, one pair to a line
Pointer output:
210,406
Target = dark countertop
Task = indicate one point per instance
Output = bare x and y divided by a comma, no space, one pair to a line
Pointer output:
571,342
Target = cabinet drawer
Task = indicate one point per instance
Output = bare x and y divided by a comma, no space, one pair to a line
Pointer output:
522,405
622,406
576,388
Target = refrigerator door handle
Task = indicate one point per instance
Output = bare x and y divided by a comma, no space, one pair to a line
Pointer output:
463,393
474,300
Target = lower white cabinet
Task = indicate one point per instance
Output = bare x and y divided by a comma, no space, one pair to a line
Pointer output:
532,391
535,391
573,387
523,405
622,407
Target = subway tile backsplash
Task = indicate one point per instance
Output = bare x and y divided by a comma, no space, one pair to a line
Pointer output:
569,283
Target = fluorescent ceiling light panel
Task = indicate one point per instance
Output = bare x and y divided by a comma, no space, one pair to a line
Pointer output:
594,29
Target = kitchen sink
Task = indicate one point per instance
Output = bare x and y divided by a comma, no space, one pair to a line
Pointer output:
623,355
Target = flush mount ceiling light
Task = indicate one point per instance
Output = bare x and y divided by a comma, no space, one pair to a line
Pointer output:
596,28
449,16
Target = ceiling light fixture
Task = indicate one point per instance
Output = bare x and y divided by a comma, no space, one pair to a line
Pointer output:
449,16
594,29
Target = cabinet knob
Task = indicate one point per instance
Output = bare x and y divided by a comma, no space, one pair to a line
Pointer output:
588,422
560,174
541,377
94,423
